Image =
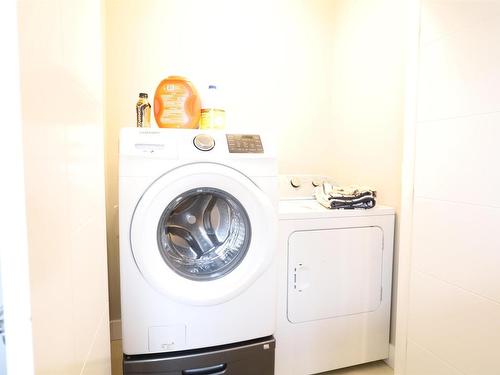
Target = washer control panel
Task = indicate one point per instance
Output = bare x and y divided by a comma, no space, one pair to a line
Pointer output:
204,142
244,144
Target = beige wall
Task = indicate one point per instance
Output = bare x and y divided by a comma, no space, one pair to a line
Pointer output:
323,76
453,314
61,88
366,123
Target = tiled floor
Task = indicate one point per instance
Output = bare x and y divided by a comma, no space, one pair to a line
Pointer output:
375,368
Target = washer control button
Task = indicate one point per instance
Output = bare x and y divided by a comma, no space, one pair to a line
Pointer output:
204,142
295,182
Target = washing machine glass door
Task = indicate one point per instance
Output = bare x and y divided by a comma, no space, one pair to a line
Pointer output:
203,233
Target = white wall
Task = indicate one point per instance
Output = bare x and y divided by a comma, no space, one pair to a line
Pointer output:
17,356
61,87
324,76
453,321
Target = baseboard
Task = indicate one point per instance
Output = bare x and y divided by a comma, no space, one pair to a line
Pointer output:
390,361
115,327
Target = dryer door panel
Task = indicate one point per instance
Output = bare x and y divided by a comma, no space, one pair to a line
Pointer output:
334,273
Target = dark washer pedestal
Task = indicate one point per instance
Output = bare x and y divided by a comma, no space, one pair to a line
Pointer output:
255,357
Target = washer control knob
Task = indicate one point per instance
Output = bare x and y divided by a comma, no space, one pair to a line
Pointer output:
295,182
204,142
315,183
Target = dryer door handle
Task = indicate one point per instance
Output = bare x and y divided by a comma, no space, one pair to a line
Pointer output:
300,282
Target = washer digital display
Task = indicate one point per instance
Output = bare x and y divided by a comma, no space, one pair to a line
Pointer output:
244,144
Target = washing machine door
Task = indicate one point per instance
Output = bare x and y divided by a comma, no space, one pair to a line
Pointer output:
203,233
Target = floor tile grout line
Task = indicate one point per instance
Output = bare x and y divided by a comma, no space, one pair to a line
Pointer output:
449,283
436,356
458,117
480,205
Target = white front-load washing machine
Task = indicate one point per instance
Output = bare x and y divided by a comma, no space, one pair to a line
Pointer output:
334,282
197,240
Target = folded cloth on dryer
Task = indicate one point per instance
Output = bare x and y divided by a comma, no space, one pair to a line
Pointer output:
348,197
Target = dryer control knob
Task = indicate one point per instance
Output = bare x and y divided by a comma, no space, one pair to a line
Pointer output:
315,183
204,142
295,182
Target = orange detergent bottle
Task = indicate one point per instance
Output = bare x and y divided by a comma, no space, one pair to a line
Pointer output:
177,104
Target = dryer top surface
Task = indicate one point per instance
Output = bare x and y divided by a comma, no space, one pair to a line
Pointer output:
296,209
297,201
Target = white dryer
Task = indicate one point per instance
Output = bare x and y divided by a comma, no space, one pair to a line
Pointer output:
197,239
334,288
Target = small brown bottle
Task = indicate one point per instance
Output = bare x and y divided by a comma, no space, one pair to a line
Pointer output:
143,109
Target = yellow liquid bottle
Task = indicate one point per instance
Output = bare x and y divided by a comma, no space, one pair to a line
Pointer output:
213,116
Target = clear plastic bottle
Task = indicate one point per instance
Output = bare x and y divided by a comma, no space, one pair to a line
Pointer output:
143,111
213,115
